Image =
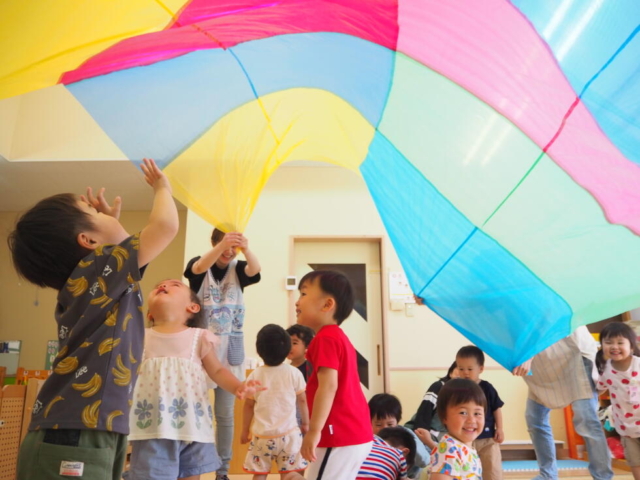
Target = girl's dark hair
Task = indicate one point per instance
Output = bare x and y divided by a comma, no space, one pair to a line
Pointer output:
600,361
336,285
197,320
621,329
458,391
447,377
385,405
44,245
273,344
216,236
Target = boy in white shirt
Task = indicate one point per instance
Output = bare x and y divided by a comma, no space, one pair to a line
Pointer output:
275,434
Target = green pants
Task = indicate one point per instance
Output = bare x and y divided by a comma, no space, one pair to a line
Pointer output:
98,456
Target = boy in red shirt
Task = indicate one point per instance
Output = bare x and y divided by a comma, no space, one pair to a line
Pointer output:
340,435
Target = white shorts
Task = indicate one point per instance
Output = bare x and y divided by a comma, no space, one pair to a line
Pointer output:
342,463
285,450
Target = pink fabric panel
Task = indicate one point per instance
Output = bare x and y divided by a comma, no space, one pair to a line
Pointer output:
491,50
204,24
588,155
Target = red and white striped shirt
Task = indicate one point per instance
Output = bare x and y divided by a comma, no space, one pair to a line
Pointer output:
384,462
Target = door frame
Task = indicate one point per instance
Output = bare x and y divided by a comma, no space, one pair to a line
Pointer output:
383,357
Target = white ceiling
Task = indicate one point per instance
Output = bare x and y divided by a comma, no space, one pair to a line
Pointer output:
24,183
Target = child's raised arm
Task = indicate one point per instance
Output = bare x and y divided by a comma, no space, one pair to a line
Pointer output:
206,261
163,220
253,265
322,403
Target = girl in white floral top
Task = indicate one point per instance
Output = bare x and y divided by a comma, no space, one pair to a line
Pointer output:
621,376
461,407
171,418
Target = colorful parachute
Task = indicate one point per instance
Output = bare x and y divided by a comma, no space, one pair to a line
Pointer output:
500,140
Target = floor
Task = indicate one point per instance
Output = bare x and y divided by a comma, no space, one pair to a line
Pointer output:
619,475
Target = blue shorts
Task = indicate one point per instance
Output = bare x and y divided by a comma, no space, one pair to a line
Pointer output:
162,459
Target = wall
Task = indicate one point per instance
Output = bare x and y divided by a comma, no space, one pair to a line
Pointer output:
26,311
334,201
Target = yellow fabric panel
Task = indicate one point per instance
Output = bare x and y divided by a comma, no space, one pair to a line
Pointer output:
221,175
42,39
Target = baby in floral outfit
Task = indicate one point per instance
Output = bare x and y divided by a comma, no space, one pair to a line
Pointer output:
171,419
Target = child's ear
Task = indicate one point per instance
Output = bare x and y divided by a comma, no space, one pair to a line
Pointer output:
329,304
482,369
193,308
405,451
87,240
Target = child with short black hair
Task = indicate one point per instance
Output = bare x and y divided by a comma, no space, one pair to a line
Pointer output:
470,361
392,454
76,245
385,411
301,337
275,435
340,436
461,407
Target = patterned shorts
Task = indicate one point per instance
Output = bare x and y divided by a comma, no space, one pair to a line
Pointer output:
285,450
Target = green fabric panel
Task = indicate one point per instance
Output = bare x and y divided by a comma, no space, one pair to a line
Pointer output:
472,154
499,179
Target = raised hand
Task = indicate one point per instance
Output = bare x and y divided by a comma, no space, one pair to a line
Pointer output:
101,204
153,175
231,240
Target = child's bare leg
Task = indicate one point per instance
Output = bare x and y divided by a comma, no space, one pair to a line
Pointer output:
259,477
291,476
636,473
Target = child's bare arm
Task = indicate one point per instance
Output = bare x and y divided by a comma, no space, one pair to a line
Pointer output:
206,261
499,435
303,408
253,265
322,403
247,418
163,220
222,376
227,380
425,437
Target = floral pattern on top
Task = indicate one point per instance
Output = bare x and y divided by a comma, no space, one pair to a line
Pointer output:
456,459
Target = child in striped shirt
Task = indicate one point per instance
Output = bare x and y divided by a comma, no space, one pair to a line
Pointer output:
392,453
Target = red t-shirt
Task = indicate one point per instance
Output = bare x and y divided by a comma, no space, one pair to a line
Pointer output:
348,422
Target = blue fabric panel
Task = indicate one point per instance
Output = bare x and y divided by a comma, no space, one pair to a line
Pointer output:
356,70
597,45
158,110
464,275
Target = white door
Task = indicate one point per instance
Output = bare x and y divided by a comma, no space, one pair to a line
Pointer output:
359,260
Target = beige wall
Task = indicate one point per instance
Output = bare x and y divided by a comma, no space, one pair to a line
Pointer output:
26,312
296,201
333,201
